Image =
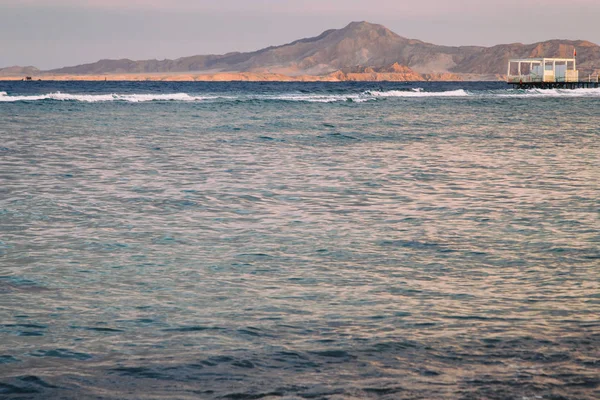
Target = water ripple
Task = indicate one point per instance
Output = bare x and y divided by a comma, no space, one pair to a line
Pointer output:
401,248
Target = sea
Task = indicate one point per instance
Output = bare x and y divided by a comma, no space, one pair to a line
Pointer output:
234,240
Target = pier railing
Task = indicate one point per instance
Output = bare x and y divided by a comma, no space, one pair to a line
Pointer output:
525,78
570,76
548,78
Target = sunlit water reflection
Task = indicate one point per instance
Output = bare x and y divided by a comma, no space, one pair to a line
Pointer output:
245,248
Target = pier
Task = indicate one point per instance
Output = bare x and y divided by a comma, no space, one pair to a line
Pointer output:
556,85
548,73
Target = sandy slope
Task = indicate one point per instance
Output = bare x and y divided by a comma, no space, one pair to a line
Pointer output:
339,76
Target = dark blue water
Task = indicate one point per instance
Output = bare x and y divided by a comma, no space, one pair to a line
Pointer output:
298,241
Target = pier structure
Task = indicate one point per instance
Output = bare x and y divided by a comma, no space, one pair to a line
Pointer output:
547,73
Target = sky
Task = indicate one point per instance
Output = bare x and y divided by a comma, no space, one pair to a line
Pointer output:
56,33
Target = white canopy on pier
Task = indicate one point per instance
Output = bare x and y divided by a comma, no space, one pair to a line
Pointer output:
542,70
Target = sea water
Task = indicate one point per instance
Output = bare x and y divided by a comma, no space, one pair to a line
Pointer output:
299,241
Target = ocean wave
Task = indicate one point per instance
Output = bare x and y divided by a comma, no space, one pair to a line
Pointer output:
94,98
137,98
550,93
292,97
314,98
419,92
371,95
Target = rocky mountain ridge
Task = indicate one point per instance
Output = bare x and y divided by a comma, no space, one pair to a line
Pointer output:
360,46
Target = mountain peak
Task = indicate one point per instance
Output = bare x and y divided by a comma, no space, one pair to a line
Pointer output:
357,27
360,24
363,25
357,46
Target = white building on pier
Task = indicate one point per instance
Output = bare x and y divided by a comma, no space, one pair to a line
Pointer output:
538,70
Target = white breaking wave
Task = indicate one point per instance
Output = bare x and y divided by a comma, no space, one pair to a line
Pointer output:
302,97
94,98
295,97
551,93
312,98
137,98
418,92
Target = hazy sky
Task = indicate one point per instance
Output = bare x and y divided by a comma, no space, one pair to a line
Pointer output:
55,33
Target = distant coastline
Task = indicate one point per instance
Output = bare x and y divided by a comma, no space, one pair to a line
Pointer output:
338,76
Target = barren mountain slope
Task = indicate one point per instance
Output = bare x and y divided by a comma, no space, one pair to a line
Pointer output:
358,45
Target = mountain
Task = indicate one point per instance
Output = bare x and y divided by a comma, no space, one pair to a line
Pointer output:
358,46
19,71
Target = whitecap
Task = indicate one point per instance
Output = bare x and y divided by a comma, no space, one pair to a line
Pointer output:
418,92
551,93
94,98
309,98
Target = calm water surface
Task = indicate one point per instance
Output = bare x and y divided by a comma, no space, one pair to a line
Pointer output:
298,241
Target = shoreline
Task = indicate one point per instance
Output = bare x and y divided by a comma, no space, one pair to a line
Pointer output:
337,76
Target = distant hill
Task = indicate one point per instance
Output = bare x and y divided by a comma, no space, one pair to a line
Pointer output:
360,45
19,71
